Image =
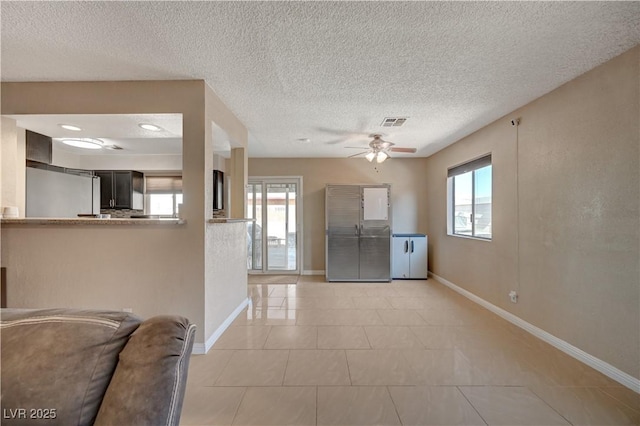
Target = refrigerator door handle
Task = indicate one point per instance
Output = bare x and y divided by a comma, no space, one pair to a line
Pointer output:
406,246
411,246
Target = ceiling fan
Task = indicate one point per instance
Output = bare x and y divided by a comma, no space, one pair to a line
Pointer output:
379,149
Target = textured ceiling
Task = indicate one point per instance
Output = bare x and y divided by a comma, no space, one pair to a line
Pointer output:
327,71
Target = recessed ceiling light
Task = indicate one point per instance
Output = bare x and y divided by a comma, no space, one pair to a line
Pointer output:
151,127
86,143
70,127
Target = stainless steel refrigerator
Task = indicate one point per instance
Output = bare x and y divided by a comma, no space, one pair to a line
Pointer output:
57,194
358,233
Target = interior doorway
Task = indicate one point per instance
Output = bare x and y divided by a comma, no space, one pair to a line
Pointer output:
274,238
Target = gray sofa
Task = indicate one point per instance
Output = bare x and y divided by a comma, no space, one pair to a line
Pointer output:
74,367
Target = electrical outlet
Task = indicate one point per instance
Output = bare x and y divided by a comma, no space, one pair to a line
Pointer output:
513,296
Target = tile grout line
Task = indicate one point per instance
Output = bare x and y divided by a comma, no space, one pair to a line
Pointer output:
286,367
395,407
225,366
471,404
603,390
366,336
317,398
348,367
549,405
267,338
422,345
235,414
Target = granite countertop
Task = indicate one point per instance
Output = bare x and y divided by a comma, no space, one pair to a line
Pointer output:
228,220
90,221
114,221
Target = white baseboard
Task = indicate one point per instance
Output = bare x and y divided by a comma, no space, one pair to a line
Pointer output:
577,353
198,349
203,348
312,272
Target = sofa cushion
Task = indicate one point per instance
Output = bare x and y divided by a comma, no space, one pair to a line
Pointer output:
59,361
149,382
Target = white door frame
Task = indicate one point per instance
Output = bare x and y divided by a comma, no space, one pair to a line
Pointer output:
264,180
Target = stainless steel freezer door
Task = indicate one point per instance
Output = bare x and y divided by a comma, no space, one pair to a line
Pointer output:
374,258
342,261
342,228
343,209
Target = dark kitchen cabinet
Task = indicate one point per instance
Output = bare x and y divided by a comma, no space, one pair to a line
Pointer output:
38,147
121,189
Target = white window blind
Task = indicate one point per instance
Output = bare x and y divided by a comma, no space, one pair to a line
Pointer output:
164,184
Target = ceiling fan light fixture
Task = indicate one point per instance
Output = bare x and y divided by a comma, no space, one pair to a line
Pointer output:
370,156
381,156
85,143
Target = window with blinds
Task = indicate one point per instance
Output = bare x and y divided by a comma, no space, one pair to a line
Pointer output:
469,199
164,195
164,184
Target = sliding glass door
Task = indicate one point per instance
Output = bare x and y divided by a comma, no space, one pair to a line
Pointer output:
273,245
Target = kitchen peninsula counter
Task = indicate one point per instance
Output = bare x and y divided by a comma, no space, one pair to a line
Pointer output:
92,221
228,220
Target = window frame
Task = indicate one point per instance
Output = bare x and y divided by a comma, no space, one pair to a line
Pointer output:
173,187
471,166
175,205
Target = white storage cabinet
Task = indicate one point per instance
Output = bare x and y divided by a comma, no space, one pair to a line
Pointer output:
409,256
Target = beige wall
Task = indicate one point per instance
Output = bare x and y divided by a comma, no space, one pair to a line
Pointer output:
102,267
12,161
232,129
408,192
152,270
565,214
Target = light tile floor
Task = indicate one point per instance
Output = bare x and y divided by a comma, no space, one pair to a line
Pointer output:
406,352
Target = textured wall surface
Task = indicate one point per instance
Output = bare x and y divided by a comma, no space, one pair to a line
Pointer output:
226,272
566,228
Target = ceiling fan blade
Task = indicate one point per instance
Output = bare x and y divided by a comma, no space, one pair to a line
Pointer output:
334,131
408,150
355,155
356,147
336,141
345,135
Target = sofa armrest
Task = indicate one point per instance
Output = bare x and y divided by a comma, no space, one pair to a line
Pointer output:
148,385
